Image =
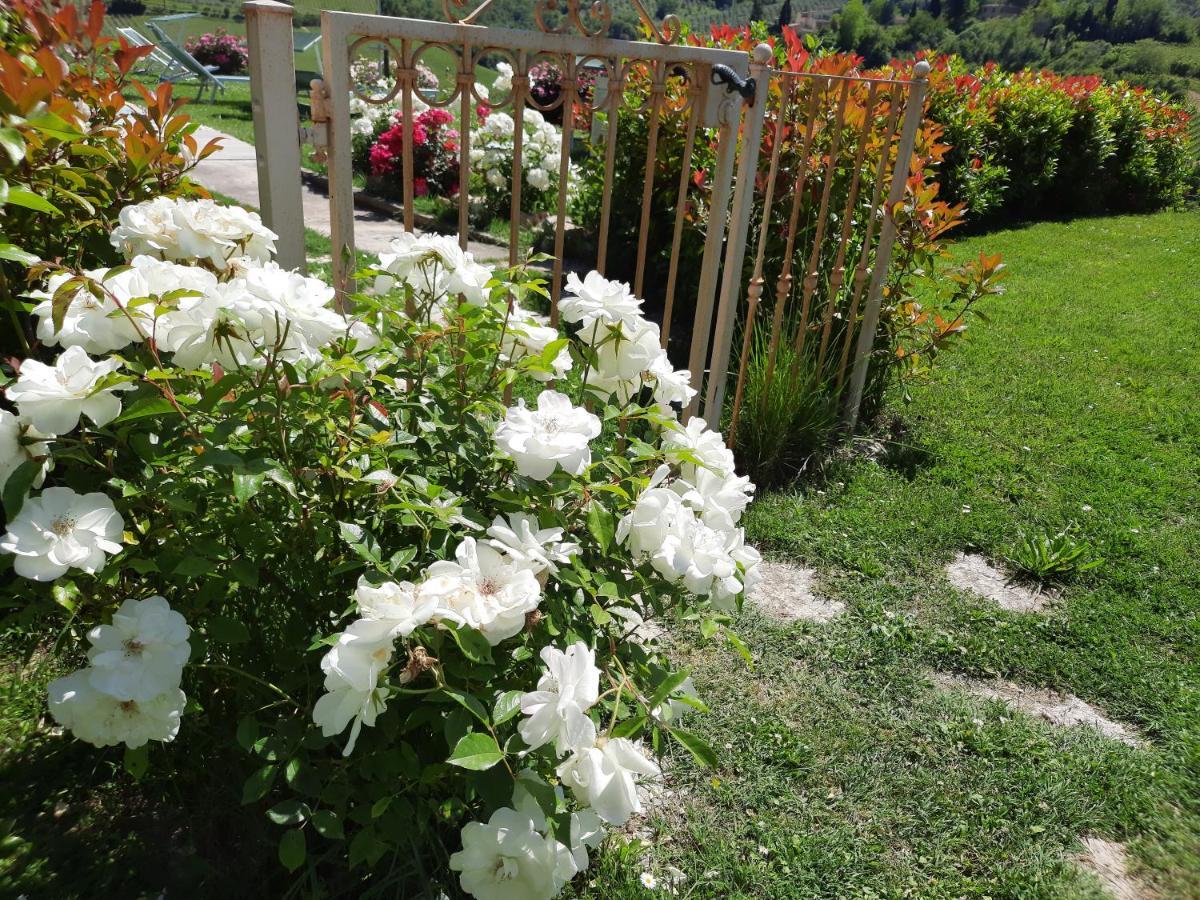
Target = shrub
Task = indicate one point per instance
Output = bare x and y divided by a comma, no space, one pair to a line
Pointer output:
74,150
492,161
228,52
434,154
325,535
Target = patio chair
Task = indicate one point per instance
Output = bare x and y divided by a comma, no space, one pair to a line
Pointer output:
157,62
190,68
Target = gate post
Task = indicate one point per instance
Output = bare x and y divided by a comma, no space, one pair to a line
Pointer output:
276,125
913,112
739,224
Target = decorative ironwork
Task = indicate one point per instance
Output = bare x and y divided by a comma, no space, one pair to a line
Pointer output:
589,19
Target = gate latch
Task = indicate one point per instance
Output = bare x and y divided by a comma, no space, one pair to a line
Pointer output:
734,83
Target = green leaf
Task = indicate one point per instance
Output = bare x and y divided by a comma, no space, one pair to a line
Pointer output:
365,847
361,542
13,144
292,850
327,824
476,752
259,783
225,630
507,705
468,702
703,753
247,484
13,253
247,733
137,761
629,727
740,646
288,812
601,524
144,408
600,615
16,489
30,200
472,643
666,686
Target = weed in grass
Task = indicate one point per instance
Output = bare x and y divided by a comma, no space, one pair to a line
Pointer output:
1044,557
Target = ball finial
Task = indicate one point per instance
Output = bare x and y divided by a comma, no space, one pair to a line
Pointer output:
762,54
921,69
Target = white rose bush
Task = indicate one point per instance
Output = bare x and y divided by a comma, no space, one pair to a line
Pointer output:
492,148
393,547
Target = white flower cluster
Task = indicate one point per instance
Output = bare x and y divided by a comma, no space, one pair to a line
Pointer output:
436,268
193,230
628,348
541,147
129,693
688,527
490,586
514,855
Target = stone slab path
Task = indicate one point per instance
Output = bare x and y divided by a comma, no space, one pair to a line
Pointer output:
233,171
785,594
1063,710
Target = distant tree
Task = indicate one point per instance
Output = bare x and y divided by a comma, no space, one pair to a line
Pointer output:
785,15
756,11
935,8
850,25
1110,10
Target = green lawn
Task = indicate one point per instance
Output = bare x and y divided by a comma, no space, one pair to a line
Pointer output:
1076,404
843,772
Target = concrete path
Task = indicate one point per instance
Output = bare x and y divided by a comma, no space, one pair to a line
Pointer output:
233,171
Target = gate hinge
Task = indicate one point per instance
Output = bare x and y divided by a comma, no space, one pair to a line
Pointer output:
316,134
734,83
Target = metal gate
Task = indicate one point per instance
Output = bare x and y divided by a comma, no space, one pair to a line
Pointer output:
837,145
706,89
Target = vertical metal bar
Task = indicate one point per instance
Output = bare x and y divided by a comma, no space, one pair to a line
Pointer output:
520,83
814,257
466,81
755,288
783,288
860,271
276,126
564,172
616,90
838,275
657,93
739,224
913,111
730,113
406,72
341,177
696,94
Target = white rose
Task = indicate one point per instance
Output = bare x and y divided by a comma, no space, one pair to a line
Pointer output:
538,178
401,606
596,299
555,434
142,653
104,720
605,778
706,446
342,703
483,589
510,859
20,443
60,530
522,538
557,710
52,398
624,358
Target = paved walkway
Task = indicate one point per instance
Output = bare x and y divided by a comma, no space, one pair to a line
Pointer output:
233,171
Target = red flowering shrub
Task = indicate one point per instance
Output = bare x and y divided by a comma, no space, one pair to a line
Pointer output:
435,154
226,51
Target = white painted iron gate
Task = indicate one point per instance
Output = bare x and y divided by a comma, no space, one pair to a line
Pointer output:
716,100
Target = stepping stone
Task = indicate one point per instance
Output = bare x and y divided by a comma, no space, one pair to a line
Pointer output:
1063,710
972,573
1109,862
784,593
